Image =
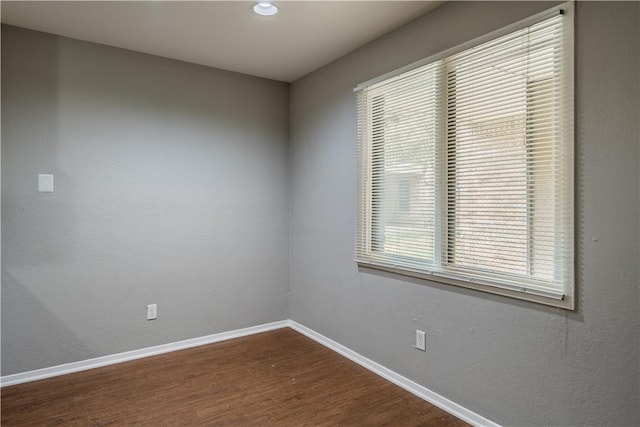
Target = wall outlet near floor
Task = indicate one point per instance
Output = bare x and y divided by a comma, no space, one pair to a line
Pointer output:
152,311
421,340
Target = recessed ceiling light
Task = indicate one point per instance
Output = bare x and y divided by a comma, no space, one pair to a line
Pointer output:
265,8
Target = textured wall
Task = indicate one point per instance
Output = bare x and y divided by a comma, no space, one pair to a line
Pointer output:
170,186
514,362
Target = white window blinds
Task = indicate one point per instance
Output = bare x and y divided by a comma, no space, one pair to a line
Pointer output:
466,166
399,198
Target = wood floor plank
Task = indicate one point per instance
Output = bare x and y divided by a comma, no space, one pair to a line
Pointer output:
276,378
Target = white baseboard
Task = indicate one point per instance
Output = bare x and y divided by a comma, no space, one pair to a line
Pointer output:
97,362
386,373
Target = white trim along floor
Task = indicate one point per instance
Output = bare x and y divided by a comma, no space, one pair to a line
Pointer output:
386,373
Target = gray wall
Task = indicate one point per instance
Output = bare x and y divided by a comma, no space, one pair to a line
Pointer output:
170,186
514,362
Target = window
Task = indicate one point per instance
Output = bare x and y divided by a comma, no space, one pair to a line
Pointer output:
466,165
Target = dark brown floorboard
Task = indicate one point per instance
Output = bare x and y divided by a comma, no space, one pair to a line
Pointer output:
277,378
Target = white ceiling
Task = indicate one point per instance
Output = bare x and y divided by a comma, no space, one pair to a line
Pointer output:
304,36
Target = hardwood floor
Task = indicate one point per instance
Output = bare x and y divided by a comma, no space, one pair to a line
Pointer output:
277,378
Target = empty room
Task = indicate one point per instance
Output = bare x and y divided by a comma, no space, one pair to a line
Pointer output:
318,213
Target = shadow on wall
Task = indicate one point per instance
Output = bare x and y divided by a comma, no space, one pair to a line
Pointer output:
40,325
30,132
169,180
31,246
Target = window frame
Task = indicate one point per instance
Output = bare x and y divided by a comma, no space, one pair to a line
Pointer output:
365,228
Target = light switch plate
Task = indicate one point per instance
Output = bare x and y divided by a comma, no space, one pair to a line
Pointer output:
421,340
152,311
45,183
